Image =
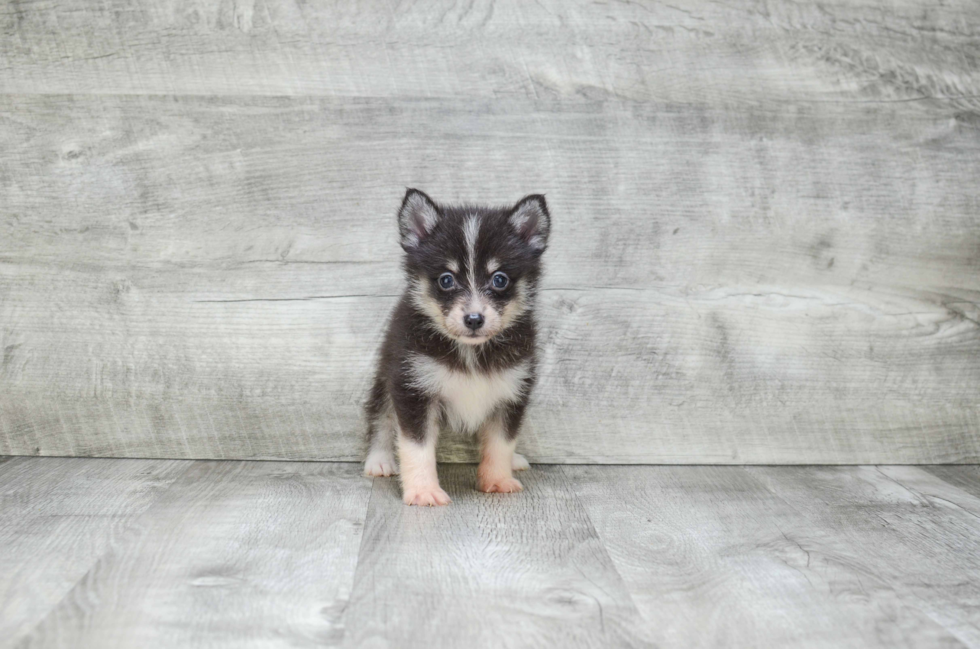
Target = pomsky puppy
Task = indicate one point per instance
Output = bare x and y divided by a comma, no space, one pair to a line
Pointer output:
460,347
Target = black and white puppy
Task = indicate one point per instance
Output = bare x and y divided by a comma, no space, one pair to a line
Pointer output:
460,346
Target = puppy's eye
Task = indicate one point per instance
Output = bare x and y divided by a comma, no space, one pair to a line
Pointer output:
447,281
500,281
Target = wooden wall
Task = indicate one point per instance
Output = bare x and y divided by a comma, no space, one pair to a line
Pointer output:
767,220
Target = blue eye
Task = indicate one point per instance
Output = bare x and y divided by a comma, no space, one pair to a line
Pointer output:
446,281
500,281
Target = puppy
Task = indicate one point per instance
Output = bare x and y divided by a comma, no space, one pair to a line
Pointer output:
460,346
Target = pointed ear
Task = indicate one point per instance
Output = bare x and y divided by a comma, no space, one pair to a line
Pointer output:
416,218
531,220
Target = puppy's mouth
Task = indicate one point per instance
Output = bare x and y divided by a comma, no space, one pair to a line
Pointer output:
473,338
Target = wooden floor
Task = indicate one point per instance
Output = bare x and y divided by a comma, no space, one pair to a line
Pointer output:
166,553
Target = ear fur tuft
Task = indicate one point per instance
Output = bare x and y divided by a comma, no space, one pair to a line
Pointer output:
417,217
531,220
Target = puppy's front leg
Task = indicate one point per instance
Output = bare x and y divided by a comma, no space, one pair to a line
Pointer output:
495,473
417,457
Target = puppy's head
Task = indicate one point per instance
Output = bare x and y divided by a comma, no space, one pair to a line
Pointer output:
473,270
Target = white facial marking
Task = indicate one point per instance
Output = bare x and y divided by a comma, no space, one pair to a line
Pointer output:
473,300
516,307
492,320
469,397
426,304
477,302
471,230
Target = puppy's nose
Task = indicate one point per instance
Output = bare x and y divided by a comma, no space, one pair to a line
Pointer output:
473,321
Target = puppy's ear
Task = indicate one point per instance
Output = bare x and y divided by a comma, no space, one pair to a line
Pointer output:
416,218
531,221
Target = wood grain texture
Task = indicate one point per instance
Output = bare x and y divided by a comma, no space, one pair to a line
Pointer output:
496,570
58,516
965,477
235,554
149,553
915,532
767,243
210,277
713,558
703,52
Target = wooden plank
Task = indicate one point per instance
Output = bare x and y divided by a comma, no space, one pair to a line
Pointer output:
57,517
910,533
701,52
966,478
263,554
725,287
235,554
713,558
938,490
489,570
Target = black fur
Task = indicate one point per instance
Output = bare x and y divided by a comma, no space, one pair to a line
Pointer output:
427,247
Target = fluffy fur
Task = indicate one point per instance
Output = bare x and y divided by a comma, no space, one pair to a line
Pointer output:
459,352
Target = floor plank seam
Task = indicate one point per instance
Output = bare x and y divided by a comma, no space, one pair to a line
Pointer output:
126,536
905,595
605,548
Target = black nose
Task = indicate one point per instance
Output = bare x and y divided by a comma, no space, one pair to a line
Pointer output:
474,321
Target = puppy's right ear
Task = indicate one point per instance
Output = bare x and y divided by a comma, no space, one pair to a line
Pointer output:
416,218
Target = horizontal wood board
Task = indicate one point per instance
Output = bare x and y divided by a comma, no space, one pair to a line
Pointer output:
766,248
757,52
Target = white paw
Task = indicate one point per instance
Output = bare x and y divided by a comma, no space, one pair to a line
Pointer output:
380,465
519,463
501,486
426,496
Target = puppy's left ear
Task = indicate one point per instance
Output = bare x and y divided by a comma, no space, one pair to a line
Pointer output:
532,222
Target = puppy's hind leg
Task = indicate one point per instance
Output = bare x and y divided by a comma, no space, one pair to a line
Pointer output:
520,463
382,433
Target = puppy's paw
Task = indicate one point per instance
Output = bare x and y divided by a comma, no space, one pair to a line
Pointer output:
380,465
501,486
426,497
519,463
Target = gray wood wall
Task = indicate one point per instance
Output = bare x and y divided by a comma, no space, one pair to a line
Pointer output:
767,220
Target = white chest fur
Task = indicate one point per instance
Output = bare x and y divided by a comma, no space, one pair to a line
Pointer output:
469,397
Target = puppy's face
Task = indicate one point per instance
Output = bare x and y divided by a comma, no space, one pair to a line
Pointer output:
473,270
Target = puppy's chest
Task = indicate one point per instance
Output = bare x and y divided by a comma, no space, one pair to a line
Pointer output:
469,397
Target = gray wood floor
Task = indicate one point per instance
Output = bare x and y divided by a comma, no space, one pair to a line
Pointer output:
159,553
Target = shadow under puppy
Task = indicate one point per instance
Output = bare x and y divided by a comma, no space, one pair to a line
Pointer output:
460,347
